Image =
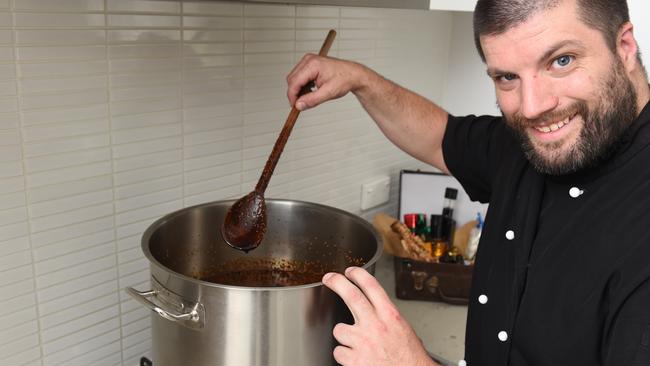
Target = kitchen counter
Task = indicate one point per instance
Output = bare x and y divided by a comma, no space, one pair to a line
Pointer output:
440,326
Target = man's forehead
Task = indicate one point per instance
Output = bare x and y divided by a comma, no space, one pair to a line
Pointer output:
536,34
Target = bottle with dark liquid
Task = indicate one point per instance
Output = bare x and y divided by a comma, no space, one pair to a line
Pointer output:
449,224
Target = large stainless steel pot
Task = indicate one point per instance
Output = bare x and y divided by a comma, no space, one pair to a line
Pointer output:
203,323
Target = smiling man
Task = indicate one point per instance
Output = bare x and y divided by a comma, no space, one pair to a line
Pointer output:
562,275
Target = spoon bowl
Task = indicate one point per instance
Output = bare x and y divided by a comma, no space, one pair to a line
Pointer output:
245,223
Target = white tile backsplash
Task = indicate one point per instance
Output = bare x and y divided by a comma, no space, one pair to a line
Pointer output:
213,8
146,147
143,35
213,22
261,10
53,192
64,99
60,20
14,245
72,266
56,206
49,162
65,130
147,21
19,331
271,35
144,51
116,112
59,37
17,274
51,251
59,5
76,113
6,36
7,53
9,121
10,153
317,11
54,84
269,23
144,6
66,307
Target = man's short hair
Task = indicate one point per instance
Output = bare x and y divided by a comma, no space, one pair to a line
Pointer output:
494,17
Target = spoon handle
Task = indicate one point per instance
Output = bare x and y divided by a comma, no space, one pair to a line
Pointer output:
263,182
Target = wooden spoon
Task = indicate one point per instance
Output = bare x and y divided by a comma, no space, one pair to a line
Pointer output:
245,223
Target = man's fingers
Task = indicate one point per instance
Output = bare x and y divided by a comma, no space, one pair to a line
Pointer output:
346,334
314,98
373,291
352,297
343,355
302,73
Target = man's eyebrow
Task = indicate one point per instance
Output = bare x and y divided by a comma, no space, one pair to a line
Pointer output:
554,48
493,72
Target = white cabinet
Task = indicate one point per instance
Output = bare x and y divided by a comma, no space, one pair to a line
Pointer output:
454,5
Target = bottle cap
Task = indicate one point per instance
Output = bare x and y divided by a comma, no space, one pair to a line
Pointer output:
410,220
451,193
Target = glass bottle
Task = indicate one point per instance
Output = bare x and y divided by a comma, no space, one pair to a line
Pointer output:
448,206
439,242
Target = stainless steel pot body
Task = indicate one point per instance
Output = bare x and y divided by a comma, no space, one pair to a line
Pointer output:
203,323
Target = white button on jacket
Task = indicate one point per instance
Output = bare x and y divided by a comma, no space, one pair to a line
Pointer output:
503,336
510,235
575,192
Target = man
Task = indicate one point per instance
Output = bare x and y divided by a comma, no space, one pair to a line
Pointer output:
563,271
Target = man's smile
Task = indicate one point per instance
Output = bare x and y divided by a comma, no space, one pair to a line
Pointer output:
552,127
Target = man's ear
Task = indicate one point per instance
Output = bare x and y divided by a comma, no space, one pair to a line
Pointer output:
626,46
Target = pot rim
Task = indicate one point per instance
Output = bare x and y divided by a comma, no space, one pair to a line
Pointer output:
161,221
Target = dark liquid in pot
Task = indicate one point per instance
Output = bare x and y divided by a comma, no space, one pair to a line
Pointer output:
269,272
265,278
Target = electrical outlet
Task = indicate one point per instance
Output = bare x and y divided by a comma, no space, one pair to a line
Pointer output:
375,193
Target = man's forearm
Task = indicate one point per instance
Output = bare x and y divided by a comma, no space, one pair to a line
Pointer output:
410,121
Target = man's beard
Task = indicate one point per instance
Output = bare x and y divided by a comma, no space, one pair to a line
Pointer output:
603,125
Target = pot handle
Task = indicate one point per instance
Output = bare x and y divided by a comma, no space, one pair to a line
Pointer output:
150,299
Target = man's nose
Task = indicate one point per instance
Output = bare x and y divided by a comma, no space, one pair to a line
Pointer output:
537,97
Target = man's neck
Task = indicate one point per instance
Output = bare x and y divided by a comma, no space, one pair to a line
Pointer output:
642,95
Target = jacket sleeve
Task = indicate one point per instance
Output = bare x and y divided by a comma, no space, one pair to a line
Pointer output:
472,148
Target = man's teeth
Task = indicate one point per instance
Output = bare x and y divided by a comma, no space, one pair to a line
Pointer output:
553,126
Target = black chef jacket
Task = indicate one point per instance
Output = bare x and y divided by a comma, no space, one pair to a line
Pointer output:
562,273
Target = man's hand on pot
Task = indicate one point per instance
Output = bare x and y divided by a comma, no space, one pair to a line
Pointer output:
380,335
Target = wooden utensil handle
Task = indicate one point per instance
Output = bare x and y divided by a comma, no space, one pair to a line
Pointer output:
263,182
325,48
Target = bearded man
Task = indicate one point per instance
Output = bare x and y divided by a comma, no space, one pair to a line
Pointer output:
562,275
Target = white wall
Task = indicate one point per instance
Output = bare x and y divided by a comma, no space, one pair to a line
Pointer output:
115,112
639,10
469,90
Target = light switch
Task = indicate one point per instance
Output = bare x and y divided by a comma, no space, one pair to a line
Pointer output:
375,193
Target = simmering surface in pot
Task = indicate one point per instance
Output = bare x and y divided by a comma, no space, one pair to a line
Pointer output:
256,272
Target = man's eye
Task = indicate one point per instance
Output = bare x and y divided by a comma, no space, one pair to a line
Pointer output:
563,61
507,77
